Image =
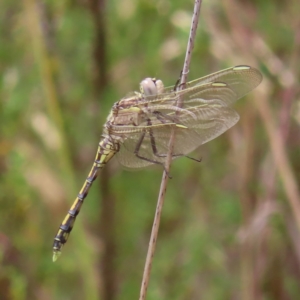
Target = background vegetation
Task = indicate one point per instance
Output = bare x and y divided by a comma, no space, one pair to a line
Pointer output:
230,225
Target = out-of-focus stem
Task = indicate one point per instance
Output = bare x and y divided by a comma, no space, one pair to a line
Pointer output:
280,157
45,64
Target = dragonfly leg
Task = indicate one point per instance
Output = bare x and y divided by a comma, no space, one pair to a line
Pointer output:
163,118
153,145
137,149
152,139
178,84
192,158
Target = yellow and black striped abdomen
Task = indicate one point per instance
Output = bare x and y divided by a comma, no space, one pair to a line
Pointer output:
106,150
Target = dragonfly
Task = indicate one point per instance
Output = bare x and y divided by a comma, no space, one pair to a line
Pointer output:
139,126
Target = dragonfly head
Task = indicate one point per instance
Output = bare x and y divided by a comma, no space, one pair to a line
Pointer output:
151,86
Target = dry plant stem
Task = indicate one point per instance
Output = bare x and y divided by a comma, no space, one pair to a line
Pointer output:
165,177
190,46
278,149
105,267
45,62
280,158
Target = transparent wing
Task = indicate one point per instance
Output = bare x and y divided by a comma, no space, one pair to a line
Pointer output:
205,114
228,85
240,79
150,141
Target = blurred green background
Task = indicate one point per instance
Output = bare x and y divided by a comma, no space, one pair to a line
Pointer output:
230,224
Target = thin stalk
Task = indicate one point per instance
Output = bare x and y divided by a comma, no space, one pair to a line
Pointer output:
165,177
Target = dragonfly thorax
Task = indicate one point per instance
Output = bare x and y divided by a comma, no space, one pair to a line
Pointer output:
129,111
121,116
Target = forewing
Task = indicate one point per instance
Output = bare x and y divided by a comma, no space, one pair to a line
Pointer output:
240,79
228,85
210,120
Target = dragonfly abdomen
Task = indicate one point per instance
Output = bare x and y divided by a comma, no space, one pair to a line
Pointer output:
106,150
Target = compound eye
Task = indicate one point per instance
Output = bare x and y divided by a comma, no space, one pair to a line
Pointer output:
159,86
148,87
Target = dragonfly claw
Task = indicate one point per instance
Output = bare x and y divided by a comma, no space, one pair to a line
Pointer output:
168,174
195,159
